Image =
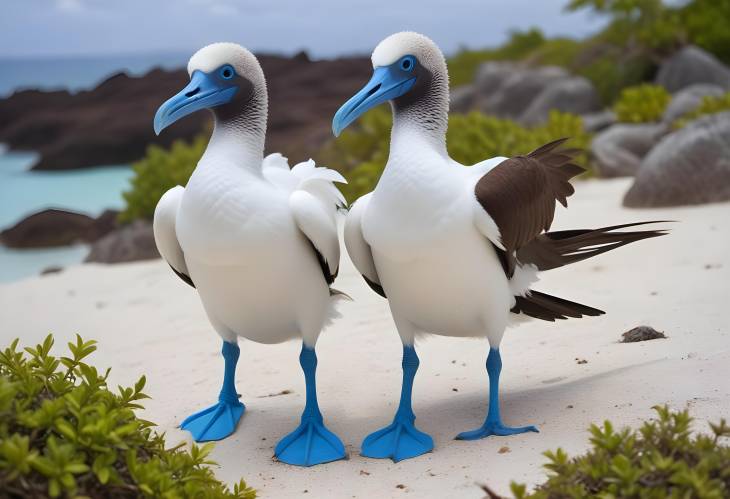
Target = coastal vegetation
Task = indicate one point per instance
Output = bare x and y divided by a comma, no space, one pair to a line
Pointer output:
663,458
65,433
643,103
161,169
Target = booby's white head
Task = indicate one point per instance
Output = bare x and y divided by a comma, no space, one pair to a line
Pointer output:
410,71
225,78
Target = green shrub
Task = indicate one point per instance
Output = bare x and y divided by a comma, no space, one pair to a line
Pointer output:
709,105
475,137
658,28
661,459
158,171
642,104
64,433
471,138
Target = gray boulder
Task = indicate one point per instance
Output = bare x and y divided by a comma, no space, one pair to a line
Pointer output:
687,100
491,75
128,243
689,166
575,95
692,65
520,88
462,99
595,122
618,150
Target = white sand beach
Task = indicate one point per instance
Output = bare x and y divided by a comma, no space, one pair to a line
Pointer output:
148,322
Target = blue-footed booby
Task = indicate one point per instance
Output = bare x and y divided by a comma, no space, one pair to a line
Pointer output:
454,249
257,239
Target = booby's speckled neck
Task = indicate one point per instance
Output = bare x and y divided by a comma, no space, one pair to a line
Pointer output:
423,112
239,130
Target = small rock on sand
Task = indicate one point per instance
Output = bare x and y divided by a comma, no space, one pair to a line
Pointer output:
641,333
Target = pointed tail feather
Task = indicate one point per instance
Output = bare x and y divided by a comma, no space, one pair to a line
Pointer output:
549,308
559,248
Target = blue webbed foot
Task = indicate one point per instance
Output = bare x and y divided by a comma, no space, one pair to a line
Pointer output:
399,440
494,428
214,423
311,443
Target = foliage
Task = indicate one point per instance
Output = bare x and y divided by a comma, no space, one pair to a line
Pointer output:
658,29
661,459
638,25
64,433
706,25
643,103
709,105
157,172
471,138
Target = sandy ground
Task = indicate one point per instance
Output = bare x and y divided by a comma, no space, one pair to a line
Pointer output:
147,321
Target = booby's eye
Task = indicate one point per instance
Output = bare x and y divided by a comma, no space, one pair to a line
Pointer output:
408,63
227,72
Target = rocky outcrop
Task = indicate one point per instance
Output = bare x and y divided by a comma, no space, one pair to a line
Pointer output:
687,100
692,65
525,94
600,120
573,95
688,166
618,150
516,92
50,228
128,243
112,124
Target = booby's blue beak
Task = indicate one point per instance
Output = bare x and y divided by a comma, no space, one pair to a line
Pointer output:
387,83
204,91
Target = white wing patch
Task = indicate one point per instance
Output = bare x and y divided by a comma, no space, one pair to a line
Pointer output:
163,226
314,201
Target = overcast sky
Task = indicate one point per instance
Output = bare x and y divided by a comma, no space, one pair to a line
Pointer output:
323,27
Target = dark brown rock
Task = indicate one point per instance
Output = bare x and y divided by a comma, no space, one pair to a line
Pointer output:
112,124
641,333
52,227
127,243
52,270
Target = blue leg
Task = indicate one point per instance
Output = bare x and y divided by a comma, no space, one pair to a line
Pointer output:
311,443
493,424
400,440
219,420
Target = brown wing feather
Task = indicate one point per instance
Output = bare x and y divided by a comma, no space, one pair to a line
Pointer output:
520,194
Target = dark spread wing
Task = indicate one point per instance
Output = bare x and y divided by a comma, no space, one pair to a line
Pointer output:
520,193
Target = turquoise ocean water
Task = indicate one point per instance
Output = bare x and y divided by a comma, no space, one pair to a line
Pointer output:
89,190
23,192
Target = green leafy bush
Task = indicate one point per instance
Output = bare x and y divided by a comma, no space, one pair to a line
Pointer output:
64,433
661,459
709,105
161,169
642,104
471,138
658,28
